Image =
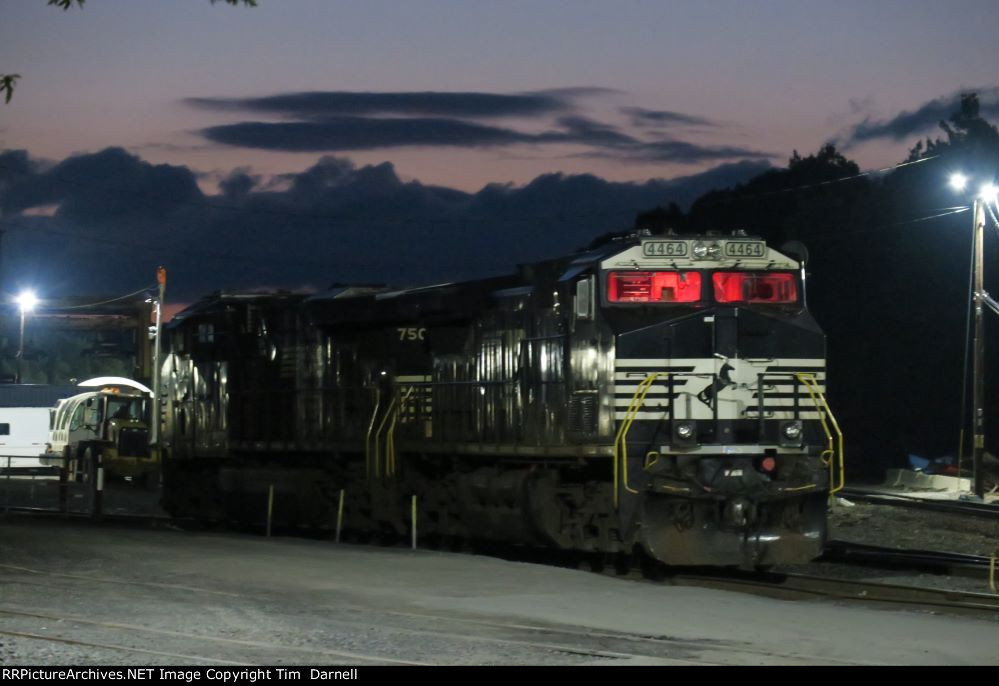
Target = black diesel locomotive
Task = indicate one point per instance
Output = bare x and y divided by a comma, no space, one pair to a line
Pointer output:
662,392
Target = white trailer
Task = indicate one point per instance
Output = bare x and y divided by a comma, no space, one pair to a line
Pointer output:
24,423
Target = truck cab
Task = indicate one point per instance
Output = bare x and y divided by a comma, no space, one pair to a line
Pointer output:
110,425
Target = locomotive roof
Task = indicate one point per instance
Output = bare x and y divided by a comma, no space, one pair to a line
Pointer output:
455,301
219,300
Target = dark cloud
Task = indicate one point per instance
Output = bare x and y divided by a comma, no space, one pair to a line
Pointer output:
341,134
238,182
91,189
658,118
368,133
323,104
332,222
341,121
14,165
923,119
583,130
363,133
677,152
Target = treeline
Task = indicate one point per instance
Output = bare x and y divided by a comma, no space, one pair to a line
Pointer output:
889,281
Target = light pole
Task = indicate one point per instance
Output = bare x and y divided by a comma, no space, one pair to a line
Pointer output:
26,302
978,357
986,194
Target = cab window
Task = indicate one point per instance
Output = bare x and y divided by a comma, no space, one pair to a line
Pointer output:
654,287
755,287
77,421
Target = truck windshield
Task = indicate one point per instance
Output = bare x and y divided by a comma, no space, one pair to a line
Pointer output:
127,408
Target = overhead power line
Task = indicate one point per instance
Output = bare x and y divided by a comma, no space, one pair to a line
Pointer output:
145,289
817,184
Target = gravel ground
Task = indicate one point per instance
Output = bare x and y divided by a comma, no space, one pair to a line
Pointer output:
908,528
74,593
280,625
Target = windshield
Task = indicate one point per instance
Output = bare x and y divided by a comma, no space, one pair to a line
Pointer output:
755,287
127,408
673,286
654,287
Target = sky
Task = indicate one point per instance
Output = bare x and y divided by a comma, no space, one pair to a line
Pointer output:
425,123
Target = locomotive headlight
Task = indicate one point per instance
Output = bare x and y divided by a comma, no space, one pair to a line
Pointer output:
792,431
685,431
705,251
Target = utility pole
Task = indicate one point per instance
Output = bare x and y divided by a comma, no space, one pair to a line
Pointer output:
978,365
154,433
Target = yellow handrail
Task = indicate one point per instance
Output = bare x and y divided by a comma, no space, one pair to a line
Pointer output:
621,439
367,437
378,432
834,452
390,434
832,455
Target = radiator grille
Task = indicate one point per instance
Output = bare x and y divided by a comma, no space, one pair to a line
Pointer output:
133,443
583,413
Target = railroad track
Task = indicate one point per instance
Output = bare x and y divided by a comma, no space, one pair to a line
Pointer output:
804,586
984,510
939,562
105,517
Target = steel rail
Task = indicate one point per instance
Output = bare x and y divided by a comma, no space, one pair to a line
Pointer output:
844,550
951,506
803,586
106,517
